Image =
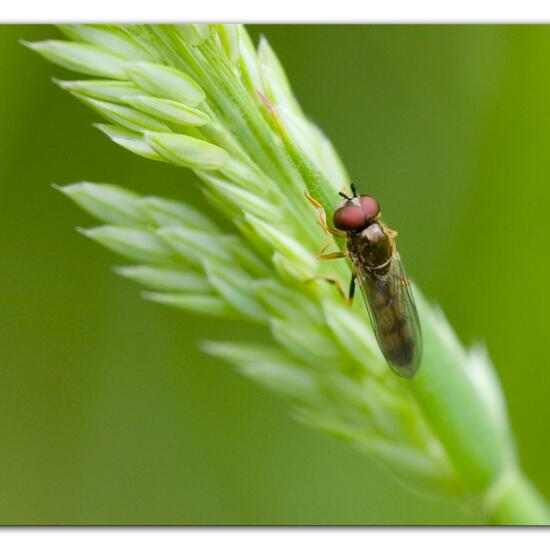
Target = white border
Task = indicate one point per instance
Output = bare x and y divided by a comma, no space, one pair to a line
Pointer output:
281,11
275,539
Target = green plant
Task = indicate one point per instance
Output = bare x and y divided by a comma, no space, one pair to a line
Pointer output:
202,97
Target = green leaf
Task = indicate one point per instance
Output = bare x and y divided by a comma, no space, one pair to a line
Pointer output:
195,246
132,141
268,367
286,303
168,110
454,406
83,58
187,151
233,285
305,341
164,81
135,244
246,201
202,304
229,38
249,65
238,172
275,81
110,37
168,213
165,278
195,34
353,337
413,465
245,257
109,203
115,91
301,260
125,116
330,162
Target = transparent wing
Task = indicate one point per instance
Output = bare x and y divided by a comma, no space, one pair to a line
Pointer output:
389,301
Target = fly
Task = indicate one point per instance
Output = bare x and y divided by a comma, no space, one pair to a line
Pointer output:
377,268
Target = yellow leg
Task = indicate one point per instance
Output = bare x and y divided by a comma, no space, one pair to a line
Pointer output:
332,256
322,221
328,242
323,217
333,281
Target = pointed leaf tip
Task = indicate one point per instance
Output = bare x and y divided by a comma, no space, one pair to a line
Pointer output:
168,110
83,58
131,141
187,151
106,202
125,116
165,82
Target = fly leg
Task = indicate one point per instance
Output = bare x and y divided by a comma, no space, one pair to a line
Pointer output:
322,221
334,281
332,255
351,290
328,242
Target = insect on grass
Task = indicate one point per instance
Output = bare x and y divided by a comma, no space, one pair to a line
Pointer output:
377,268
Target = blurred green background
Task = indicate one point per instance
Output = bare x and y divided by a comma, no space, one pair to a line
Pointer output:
109,413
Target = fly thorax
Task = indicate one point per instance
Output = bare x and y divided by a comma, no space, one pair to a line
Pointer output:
379,248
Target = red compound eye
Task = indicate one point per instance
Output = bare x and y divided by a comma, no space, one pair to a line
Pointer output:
370,206
349,218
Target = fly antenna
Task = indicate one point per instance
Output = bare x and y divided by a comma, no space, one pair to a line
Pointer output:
342,194
353,189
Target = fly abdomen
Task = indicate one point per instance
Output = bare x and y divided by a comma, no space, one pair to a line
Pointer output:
393,328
